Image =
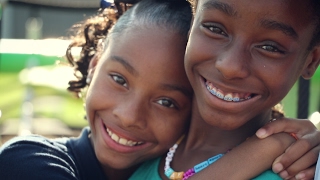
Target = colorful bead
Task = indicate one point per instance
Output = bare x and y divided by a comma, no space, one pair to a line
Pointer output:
215,158
201,166
168,172
171,174
177,175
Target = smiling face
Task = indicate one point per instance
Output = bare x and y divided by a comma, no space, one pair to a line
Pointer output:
244,56
139,101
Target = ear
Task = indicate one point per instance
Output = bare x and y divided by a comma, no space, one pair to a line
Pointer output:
92,66
312,63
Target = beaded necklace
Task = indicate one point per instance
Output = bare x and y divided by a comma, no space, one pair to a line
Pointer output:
171,174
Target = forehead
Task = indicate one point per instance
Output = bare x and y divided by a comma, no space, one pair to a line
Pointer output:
148,39
149,46
295,12
293,18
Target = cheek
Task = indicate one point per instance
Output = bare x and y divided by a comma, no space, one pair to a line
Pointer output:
172,129
196,49
95,100
277,75
90,109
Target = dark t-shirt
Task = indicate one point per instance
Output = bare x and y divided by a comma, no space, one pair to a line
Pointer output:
36,157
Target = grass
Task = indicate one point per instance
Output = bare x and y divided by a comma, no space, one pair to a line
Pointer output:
47,101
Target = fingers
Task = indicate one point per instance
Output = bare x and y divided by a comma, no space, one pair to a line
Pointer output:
300,156
287,165
299,126
307,162
307,174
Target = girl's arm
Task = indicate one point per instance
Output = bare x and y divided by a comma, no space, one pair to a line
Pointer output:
249,159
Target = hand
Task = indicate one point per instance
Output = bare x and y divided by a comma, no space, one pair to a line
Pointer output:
298,161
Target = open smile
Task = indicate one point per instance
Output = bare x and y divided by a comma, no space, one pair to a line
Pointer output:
228,96
121,140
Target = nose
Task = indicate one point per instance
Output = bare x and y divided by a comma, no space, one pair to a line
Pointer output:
233,63
131,113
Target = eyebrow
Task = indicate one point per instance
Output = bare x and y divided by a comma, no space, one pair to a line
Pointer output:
125,64
269,24
224,7
286,29
182,89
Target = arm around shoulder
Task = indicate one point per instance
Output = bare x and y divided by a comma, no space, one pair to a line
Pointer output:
249,159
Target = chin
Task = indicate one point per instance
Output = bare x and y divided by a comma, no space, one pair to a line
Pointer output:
225,121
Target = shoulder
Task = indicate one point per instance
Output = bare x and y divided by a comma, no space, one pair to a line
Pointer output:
35,157
148,170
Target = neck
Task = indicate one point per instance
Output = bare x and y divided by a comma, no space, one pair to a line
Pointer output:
206,140
119,174
204,137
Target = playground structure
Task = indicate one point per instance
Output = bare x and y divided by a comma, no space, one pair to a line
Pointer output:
33,63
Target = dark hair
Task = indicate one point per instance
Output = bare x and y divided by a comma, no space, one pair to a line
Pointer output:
87,37
314,5
170,14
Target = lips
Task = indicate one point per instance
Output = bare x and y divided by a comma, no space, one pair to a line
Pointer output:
121,140
228,96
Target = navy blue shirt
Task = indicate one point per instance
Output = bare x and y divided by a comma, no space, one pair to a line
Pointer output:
36,157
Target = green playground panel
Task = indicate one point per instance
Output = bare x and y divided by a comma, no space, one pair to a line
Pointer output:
290,102
17,62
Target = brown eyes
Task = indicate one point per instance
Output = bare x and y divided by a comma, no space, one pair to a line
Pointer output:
271,48
217,31
166,102
120,80
163,102
214,28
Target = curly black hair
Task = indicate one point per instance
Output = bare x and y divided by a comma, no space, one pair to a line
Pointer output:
87,36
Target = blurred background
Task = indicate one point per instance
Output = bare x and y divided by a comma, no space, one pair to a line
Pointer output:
33,97
33,38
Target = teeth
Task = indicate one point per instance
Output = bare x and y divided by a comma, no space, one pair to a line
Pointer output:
236,99
219,94
213,91
121,140
115,137
130,143
229,96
